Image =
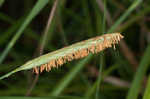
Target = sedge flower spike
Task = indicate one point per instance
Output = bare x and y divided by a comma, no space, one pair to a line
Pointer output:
66,54
79,50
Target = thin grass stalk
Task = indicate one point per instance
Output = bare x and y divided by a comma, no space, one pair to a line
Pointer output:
6,18
36,9
134,19
6,35
101,64
147,90
99,80
1,2
43,42
88,21
91,91
69,76
124,16
47,28
139,75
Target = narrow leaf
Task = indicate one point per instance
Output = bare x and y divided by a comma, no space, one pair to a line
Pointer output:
1,2
37,8
147,90
143,67
124,16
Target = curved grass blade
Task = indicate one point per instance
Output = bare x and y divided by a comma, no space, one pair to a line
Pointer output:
1,2
69,76
102,56
6,18
37,8
6,35
124,16
147,90
10,73
75,51
143,67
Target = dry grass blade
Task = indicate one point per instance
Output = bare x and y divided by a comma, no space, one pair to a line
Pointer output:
79,50
75,51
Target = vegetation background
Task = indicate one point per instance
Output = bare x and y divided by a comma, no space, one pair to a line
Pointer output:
30,28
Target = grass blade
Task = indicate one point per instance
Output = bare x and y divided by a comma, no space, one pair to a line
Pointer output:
136,84
68,78
1,2
102,60
6,35
147,90
37,8
124,16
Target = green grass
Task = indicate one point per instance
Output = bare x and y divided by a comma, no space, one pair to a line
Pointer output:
146,93
23,31
139,75
37,8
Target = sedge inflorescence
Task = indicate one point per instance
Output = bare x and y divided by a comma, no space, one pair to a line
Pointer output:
93,45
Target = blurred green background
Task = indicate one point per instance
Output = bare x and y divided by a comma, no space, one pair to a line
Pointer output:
30,28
